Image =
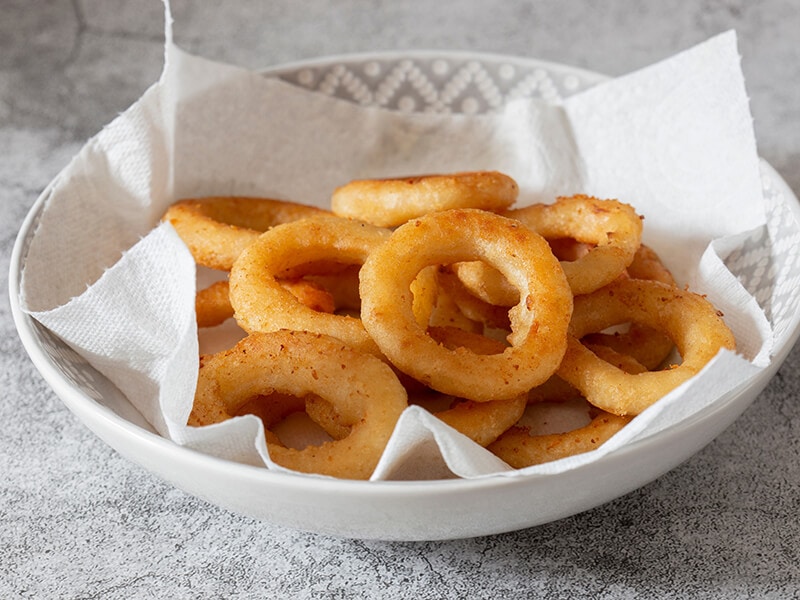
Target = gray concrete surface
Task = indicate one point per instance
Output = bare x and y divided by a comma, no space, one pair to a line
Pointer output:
78,521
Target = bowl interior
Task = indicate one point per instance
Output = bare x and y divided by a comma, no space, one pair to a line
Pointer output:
768,264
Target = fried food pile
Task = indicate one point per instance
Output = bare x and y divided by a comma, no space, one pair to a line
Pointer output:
435,290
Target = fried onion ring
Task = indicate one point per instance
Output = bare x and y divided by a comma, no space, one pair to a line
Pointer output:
557,390
612,230
262,304
482,422
690,321
612,227
392,202
302,364
644,344
520,449
217,229
538,323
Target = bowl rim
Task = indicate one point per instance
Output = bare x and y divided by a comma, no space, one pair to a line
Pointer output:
432,54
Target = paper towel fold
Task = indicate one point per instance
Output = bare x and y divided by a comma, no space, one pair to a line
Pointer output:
675,140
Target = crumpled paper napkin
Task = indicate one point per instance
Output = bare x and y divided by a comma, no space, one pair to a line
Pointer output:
675,140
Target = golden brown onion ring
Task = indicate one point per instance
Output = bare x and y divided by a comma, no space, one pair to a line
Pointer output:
360,386
217,229
556,390
692,323
644,344
538,323
520,449
611,230
392,202
262,304
482,422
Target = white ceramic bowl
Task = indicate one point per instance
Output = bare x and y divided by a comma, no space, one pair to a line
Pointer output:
430,510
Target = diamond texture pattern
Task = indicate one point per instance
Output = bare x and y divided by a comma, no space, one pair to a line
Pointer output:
446,84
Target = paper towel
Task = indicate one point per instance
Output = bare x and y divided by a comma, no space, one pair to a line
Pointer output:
675,140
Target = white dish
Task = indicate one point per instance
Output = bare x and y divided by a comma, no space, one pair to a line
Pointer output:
430,510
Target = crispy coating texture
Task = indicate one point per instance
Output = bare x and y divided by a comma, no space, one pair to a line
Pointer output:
610,231
360,386
434,290
520,449
392,202
213,304
538,322
690,321
217,229
261,303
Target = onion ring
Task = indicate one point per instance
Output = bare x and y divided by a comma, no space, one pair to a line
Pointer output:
262,304
538,323
646,345
556,389
301,364
613,229
692,323
482,422
520,449
392,202
217,229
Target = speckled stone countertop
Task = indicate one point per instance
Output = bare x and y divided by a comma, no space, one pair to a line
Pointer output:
79,521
